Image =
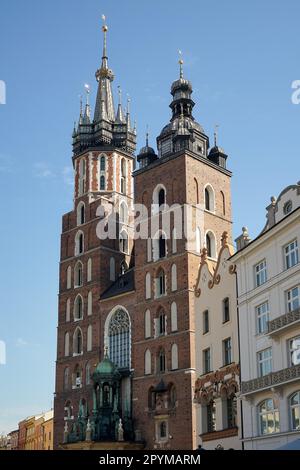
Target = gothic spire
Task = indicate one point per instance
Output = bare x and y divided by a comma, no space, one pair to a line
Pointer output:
87,110
104,77
128,114
119,115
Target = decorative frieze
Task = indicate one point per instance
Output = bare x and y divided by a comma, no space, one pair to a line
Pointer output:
274,378
284,320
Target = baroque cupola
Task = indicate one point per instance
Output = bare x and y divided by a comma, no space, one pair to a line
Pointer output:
183,131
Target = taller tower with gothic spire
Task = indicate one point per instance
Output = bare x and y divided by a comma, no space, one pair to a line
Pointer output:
103,147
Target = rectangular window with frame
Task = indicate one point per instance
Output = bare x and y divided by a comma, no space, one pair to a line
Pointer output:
294,351
227,352
262,317
206,361
226,315
264,362
293,299
260,271
291,256
205,322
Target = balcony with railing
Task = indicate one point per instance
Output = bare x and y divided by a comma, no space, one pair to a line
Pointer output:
274,379
284,322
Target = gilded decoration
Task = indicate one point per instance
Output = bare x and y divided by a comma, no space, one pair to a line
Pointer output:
214,271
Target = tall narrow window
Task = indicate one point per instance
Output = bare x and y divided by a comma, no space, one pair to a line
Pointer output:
102,183
89,270
223,203
207,201
268,417
174,241
211,245
148,286
161,284
161,197
123,176
294,348
196,192
162,323
294,403
264,359
147,324
68,310
66,378
211,416
147,362
205,322
291,254
226,315
90,303
102,163
80,213
174,357
209,198
89,338
231,406
77,341
119,336
174,326
78,308
81,179
174,277
79,243
162,246
163,430
162,361
124,241
260,270
69,277
112,269
262,317
206,361
67,344
293,299
88,374
227,353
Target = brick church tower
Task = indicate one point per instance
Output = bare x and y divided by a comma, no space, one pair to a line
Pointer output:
185,177
126,327
103,162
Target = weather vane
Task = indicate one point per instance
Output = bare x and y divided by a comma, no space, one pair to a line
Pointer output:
104,27
216,134
180,61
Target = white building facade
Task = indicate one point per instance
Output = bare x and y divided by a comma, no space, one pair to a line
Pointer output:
217,352
268,280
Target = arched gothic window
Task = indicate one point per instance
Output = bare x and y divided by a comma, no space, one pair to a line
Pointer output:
102,183
119,339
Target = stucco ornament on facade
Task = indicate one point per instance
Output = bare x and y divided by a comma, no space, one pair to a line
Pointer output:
214,270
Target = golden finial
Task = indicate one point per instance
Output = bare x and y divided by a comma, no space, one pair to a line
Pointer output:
180,61
104,26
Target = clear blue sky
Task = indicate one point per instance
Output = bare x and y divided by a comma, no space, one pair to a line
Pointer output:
241,58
